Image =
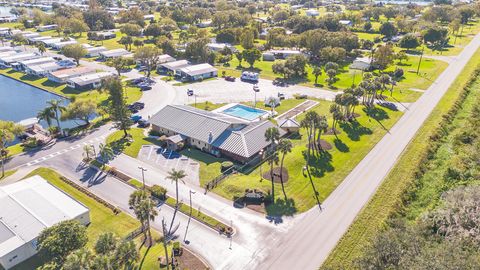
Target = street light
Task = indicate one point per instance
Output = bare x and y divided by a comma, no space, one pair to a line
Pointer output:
255,90
189,216
143,175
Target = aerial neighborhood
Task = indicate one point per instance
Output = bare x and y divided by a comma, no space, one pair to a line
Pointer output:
224,134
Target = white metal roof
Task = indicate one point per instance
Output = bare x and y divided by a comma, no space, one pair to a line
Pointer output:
198,69
37,61
28,207
90,78
115,53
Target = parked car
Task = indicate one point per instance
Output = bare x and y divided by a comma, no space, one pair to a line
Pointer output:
281,96
142,123
146,88
230,78
256,88
135,118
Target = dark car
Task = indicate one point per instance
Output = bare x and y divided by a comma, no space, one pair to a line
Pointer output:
142,123
230,78
146,88
135,118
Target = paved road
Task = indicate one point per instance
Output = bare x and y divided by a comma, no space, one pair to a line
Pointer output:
309,242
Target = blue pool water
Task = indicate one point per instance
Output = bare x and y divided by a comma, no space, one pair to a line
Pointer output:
244,112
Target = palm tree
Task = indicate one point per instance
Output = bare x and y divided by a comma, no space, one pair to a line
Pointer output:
88,151
126,254
309,124
321,126
285,147
337,115
103,262
176,176
144,209
8,131
56,107
317,72
272,102
272,135
41,48
79,259
106,152
47,115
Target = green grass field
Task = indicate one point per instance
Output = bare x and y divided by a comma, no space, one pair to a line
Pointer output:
118,143
389,195
329,169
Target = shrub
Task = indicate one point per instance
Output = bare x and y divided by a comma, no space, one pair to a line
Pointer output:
154,133
398,73
158,192
226,165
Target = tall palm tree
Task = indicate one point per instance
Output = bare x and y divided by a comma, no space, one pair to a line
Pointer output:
47,115
309,124
176,176
106,152
8,131
88,151
144,209
56,107
272,102
41,48
285,147
322,126
272,135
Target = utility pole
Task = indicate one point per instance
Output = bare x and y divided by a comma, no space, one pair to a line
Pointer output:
164,229
261,160
231,236
189,217
420,61
143,175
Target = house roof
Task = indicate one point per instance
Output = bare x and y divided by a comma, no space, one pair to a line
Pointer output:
194,123
164,58
65,73
245,142
175,64
288,123
90,78
28,207
229,134
198,69
115,53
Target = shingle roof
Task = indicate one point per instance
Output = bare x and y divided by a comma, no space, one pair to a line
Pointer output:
247,141
221,131
194,123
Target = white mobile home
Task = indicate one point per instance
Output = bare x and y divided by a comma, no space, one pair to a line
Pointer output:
95,51
37,39
33,62
7,61
43,28
115,53
172,66
197,72
61,76
28,207
60,45
42,69
49,42
273,55
90,81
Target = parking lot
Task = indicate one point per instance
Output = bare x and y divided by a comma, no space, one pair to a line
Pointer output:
167,160
222,91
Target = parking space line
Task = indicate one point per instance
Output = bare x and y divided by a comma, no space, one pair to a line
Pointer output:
150,153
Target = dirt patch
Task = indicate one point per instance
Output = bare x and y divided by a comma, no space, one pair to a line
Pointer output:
276,175
190,261
330,131
323,144
260,208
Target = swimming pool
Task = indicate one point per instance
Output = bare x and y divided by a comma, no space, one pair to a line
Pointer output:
244,112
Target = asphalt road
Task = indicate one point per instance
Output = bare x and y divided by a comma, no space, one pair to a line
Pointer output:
309,242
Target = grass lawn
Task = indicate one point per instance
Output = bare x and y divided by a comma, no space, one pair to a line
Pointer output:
15,149
7,174
118,143
209,165
208,106
328,170
389,195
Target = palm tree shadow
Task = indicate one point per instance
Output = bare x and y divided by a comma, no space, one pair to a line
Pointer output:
319,164
354,130
341,146
378,114
280,208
